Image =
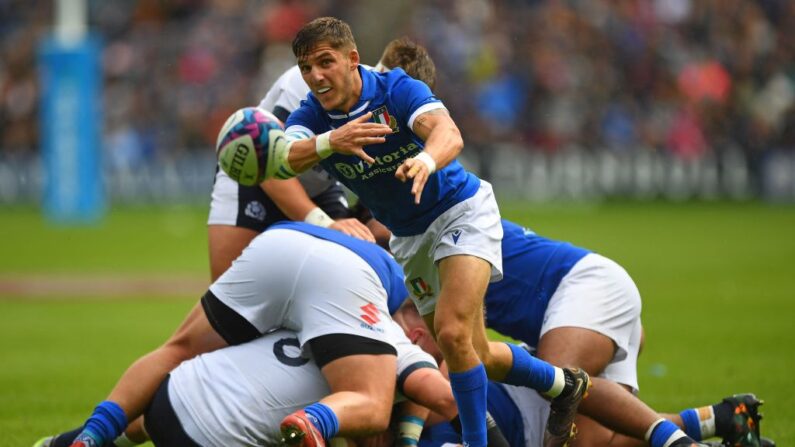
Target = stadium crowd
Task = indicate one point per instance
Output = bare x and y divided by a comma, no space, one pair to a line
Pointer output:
681,76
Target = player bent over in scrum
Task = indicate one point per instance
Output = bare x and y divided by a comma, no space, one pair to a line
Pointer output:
555,295
329,288
237,396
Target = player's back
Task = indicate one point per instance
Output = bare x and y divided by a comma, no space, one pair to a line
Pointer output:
533,267
234,396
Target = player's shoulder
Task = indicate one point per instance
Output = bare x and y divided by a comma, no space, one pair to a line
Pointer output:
292,81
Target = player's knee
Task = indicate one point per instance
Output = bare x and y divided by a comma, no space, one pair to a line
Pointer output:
453,338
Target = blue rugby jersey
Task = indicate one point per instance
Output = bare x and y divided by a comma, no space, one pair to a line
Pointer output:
395,99
533,267
501,407
387,269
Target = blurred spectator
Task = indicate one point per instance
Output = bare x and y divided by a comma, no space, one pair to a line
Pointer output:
684,77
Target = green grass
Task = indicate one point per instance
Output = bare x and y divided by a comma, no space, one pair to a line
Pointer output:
717,282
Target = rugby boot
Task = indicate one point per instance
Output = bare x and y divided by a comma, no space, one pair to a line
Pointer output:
298,430
560,429
745,421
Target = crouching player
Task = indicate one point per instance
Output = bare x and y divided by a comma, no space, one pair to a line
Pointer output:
238,395
580,309
331,289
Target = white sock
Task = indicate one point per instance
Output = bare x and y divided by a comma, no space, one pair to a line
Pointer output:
558,384
706,420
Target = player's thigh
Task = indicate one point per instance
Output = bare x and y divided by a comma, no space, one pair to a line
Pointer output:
194,336
367,373
225,243
576,347
366,381
464,280
592,434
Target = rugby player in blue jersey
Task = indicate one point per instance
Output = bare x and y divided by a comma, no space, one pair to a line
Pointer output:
388,139
579,308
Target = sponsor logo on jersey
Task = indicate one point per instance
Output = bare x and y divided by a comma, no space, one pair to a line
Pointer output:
420,288
370,314
456,234
255,210
384,164
381,116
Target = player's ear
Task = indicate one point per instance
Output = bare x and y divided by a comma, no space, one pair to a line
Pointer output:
415,335
353,57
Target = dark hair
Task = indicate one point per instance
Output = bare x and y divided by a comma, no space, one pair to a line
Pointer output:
330,30
412,57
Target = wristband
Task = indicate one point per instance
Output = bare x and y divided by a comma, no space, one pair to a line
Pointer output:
323,145
409,430
428,160
318,217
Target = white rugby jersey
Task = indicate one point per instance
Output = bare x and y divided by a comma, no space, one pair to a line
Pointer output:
238,396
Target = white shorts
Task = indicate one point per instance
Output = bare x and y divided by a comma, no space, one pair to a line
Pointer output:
598,294
471,227
288,279
534,410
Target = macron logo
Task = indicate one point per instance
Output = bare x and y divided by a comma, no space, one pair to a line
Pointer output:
370,314
456,235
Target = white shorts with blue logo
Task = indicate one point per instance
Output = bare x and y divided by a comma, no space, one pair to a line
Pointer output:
291,280
471,227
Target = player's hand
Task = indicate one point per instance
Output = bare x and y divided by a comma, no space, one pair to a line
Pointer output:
417,170
353,227
355,134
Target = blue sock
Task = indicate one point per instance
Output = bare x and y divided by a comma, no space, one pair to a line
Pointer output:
106,424
469,389
692,423
663,432
529,371
324,419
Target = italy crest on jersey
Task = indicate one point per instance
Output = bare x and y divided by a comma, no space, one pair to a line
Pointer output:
381,116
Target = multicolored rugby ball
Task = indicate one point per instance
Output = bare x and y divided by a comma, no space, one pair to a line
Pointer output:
246,143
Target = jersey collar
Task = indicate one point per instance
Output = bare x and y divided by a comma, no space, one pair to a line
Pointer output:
368,92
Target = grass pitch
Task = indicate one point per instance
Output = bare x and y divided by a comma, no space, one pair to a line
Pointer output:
717,282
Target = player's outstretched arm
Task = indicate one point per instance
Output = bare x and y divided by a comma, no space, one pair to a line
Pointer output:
443,143
349,139
296,204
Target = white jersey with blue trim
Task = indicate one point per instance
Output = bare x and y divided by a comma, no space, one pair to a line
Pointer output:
395,99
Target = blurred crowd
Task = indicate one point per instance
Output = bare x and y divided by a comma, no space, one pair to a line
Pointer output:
685,77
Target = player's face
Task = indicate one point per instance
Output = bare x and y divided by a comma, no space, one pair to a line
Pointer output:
331,75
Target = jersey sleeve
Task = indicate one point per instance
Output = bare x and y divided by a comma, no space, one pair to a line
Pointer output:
302,123
412,97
